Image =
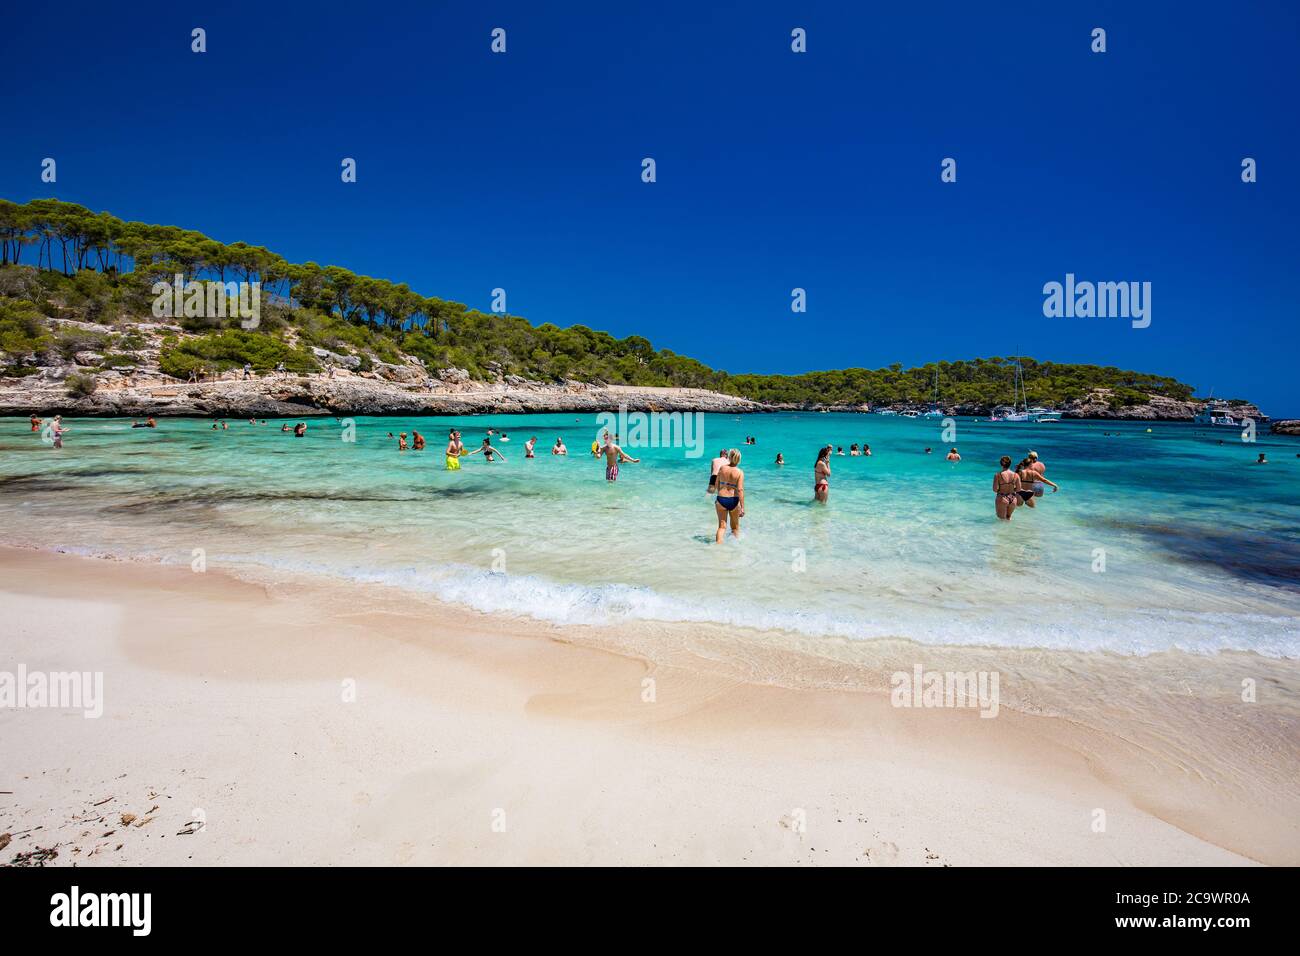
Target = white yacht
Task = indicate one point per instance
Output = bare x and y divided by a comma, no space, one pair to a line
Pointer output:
1216,413
1008,413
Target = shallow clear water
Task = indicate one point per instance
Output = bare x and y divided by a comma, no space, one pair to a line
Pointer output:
1202,550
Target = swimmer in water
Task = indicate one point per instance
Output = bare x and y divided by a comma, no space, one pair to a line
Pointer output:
299,430
36,423
1261,460
487,450
1031,482
1006,488
57,428
952,455
780,458
401,442
417,440
528,446
714,465
730,503
1039,468
615,456
558,448
455,449
822,475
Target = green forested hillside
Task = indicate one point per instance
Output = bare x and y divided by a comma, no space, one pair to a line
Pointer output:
97,268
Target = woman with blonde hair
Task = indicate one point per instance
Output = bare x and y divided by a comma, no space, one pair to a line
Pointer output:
730,503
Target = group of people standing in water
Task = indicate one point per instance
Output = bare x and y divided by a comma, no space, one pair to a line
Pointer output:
1013,487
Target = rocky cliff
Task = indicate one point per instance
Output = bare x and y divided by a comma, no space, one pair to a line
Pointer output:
344,394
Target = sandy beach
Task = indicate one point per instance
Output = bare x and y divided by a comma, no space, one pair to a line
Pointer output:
299,723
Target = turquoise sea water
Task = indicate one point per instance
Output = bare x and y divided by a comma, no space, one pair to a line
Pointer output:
1201,547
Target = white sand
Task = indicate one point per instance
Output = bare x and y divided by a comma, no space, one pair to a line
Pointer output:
224,701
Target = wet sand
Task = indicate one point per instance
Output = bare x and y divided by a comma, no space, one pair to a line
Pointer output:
299,722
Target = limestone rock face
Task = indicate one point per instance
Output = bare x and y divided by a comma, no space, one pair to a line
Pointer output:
347,361
345,394
1156,408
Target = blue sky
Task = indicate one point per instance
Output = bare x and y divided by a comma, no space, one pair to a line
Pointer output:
775,170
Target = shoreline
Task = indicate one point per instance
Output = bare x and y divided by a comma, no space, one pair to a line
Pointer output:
317,395
545,715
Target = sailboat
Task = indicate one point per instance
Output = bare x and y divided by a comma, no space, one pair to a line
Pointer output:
934,410
1013,412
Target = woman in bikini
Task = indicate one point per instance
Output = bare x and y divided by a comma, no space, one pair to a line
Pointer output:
1006,487
822,475
487,450
730,503
1029,477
